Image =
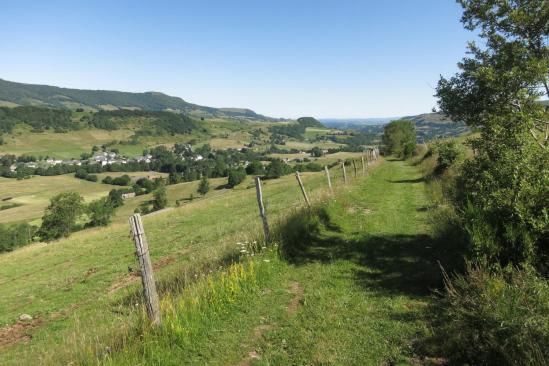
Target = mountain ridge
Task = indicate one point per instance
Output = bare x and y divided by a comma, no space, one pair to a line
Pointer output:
22,94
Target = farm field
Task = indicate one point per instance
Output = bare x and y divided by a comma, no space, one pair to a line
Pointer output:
71,144
60,145
34,194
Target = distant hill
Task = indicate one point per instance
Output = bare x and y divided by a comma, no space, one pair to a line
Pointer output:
352,123
436,125
428,125
17,94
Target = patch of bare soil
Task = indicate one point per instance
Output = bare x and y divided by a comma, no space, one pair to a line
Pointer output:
297,291
18,332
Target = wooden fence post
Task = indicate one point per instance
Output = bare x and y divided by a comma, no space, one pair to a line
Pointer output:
328,178
344,173
363,166
354,168
145,265
262,209
302,188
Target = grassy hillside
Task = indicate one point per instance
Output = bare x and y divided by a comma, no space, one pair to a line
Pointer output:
12,93
82,280
353,295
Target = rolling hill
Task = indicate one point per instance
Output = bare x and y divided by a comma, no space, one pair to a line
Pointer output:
428,125
18,94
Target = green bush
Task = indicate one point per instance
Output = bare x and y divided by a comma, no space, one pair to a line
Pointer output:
450,152
236,176
494,318
160,198
503,198
14,236
204,185
100,212
399,138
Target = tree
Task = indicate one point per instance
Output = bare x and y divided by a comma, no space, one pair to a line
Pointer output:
204,185
276,169
100,212
236,176
255,168
160,200
502,191
115,198
316,152
61,215
399,138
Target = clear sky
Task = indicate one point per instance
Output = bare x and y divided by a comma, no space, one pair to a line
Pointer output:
283,58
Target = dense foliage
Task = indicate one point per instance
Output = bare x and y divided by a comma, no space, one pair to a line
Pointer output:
160,198
399,138
161,122
504,190
39,118
496,312
14,236
236,176
61,216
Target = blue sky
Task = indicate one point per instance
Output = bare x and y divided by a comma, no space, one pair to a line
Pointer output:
283,58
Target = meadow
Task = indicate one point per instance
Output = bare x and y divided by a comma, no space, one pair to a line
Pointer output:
72,283
34,195
372,255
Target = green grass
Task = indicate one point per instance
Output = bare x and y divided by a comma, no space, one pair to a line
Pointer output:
68,285
60,145
351,293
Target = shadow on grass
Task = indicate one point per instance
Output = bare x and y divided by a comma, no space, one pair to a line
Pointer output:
417,180
400,264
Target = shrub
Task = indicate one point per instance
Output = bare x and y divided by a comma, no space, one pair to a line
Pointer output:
115,198
160,198
146,184
15,236
236,176
255,168
124,180
100,212
204,185
91,177
494,318
276,169
450,152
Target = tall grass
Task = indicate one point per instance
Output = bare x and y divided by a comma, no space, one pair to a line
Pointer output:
497,317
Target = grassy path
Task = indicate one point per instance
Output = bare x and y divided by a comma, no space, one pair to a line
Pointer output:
351,293
365,280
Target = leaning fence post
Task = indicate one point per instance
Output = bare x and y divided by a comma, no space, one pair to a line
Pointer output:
302,188
145,265
328,177
262,209
363,166
354,168
344,173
